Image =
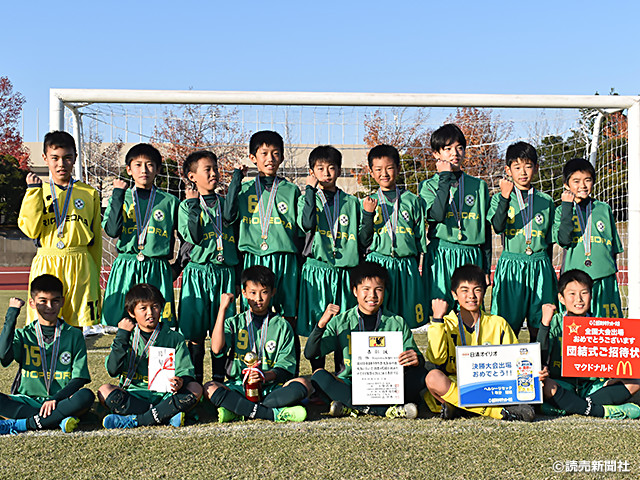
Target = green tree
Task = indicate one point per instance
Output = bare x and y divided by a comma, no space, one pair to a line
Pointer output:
12,189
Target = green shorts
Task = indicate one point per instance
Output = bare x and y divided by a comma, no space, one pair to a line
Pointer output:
34,402
148,396
320,285
405,293
126,272
584,387
442,259
521,285
202,286
605,298
285,267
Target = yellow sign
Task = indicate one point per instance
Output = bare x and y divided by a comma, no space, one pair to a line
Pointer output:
376,341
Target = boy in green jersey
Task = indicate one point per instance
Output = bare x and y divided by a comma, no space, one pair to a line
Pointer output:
333,333
596,397
592,250
53,365
269,339
212,258
395,235
132,402
457,206
524,216
330,219
144,219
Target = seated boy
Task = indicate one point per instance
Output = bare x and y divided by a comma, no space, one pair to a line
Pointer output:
333,333
131,401
53,361
469,326
270,338
583,396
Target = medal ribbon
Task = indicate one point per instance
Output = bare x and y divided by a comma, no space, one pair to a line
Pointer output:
48,374
461,329
361,321
585,227
390,223
142,232
134,358
265,216
457,209
61,218
526,212
333,222
215,219
252,337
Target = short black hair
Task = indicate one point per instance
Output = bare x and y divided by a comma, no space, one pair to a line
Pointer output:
383,150
468,273
266,137
190,163
446,135
144,150
142,292
575,275
46,283
521,151
577,165
366,270
325,153
59,139
258,274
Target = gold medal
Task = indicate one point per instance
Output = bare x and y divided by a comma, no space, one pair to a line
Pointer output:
528,251
60,244
587,263
264,246
459,235
140,257
220,258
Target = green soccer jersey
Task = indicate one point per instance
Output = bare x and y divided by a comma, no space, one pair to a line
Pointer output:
120,222
117,362
199,228
70,360
273,338
506,218
337,335
345,225
605,243
471,205
410,238
550,339
283,230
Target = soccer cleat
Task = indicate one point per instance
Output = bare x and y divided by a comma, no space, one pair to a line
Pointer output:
119,421
69,424
177,420
449,411
8,427
290,414
523,413
338,409
620,412
225,415
409,410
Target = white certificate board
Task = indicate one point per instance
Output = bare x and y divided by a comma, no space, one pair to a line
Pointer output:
162,368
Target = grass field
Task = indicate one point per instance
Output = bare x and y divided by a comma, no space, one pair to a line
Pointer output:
365,447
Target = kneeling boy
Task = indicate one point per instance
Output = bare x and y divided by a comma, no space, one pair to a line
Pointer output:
131,401
53,361
333,333
469,326
583,396
271,338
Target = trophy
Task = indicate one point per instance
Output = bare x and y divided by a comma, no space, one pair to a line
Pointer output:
253,391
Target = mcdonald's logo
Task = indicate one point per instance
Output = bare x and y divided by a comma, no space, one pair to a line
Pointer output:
624,365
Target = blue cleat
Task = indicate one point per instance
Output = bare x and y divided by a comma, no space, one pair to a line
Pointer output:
69,424
177,420
119,421
8,427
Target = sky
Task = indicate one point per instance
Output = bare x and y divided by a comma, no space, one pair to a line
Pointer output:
541,47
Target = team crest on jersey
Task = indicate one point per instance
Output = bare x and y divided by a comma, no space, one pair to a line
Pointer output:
539,218
344,220
270,347
283,207
405,215
65,358
600,226
158,215
469,200
511,213
79,204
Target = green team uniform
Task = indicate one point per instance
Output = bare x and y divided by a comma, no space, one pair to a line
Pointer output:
446,250
405,292
126,271
117,362
277,349
325,274
337,336
605,246
205,278
529,278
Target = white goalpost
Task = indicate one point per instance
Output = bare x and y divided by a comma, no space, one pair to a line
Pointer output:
602,128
